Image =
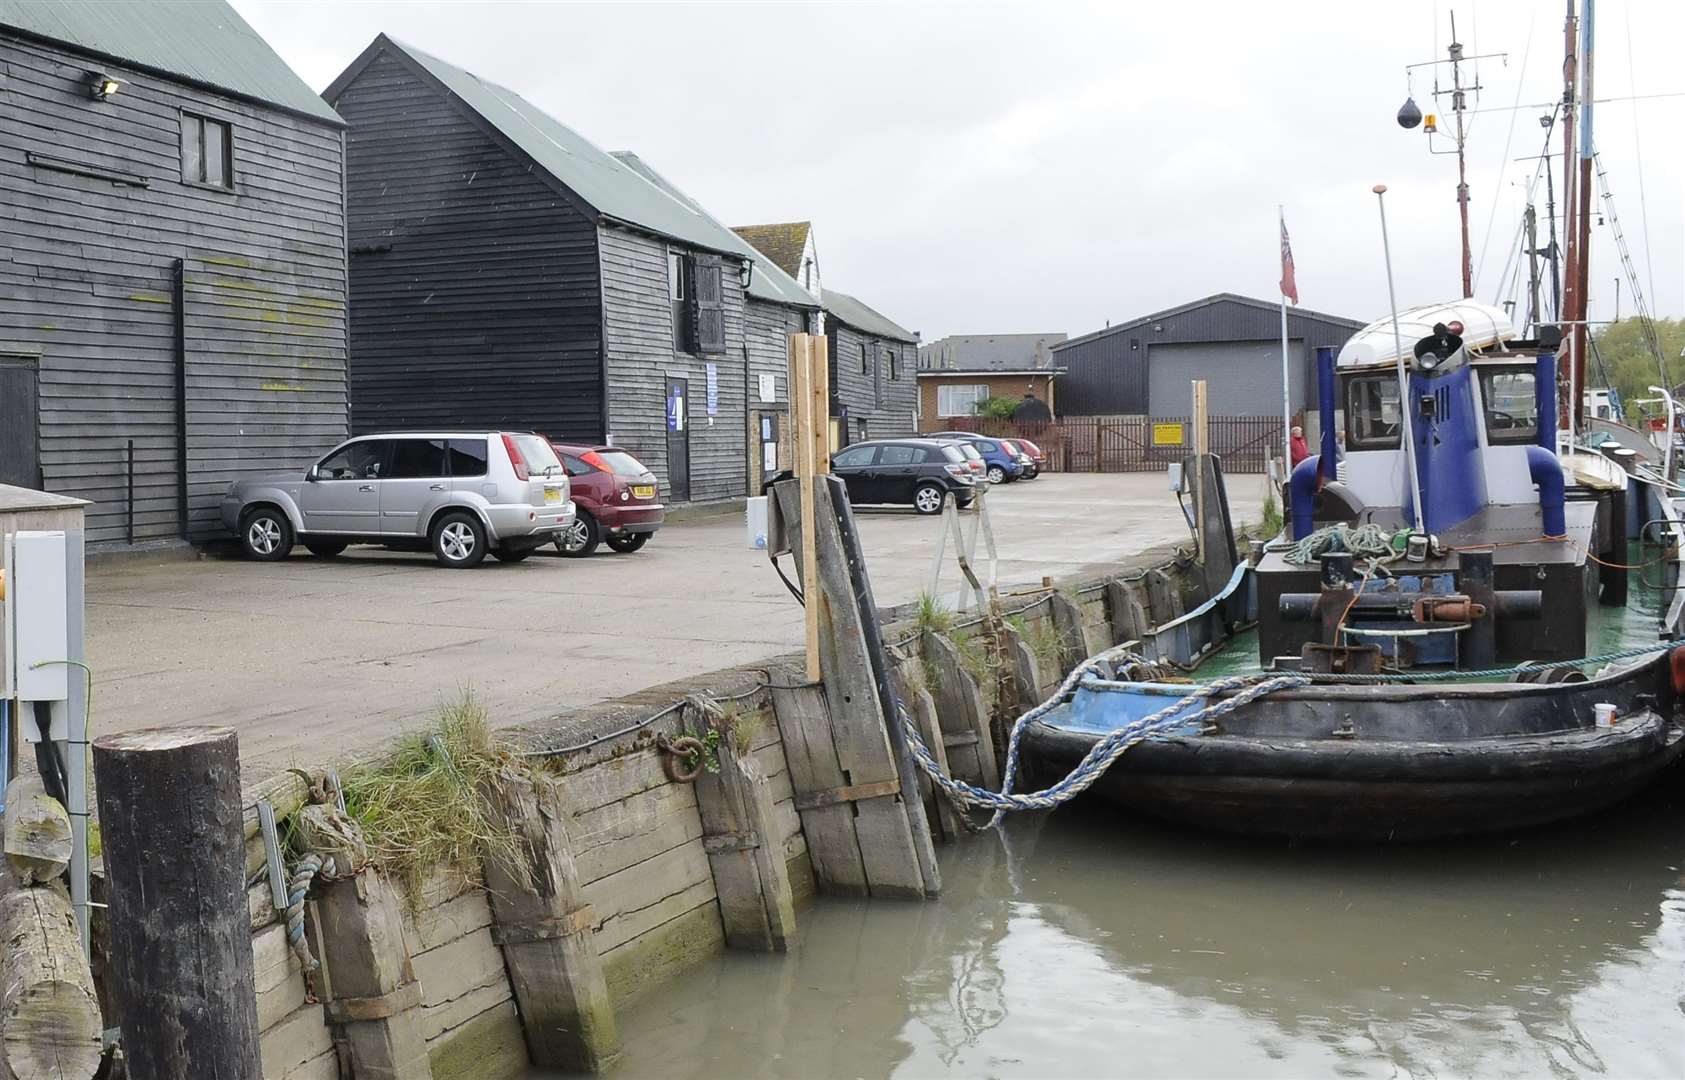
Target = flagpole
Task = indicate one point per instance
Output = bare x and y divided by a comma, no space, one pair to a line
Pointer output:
1286,385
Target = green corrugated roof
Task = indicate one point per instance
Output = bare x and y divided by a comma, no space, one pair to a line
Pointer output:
634,195
769,281
851,311
201,41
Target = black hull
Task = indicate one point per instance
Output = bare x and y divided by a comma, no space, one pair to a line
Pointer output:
1421,762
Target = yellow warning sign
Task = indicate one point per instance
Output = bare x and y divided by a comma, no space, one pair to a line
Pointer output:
1167,434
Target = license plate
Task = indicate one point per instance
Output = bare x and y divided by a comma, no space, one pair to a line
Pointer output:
643,491
552,495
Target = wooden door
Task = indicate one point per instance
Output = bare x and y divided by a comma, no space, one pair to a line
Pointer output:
20,447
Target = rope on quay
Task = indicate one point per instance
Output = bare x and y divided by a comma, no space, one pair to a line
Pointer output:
1181,714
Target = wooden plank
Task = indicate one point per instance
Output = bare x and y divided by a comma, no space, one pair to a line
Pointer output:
278,977
1124,613
960,711
461,981
558,981
37,831
630,902
623,834
751,881
805,721
1068,624
296,1043
1027,690
437,927
808,418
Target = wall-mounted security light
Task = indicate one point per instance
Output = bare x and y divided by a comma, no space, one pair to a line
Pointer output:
102,87
748,273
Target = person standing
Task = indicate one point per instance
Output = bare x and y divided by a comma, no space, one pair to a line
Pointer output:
1297,446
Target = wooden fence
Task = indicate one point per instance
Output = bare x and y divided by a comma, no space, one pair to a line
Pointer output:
1135,443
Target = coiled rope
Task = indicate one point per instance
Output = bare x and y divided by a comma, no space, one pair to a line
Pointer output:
1367,541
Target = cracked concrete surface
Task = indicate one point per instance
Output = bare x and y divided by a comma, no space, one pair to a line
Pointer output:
314,659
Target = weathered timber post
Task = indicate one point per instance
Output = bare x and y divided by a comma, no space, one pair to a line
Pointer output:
739,834
365,961
38,839
1067,624
846,752
930,729
962,714
1025,677
541,921
1125,613
169,808
1164,598
49,1013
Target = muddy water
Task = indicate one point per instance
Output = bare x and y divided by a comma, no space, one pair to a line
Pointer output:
1079,944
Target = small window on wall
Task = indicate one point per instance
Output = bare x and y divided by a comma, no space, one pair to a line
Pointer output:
1512,414
207,152
865,359
894,370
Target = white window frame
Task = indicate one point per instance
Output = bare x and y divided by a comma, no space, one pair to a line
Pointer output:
951,399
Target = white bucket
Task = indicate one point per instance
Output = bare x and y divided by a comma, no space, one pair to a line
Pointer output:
1605,714
755,521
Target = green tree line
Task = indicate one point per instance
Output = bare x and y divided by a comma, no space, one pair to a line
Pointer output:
1622,359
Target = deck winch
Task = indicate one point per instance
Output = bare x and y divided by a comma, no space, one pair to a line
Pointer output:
1412,619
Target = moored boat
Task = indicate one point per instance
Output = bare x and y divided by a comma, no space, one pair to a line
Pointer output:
1435,615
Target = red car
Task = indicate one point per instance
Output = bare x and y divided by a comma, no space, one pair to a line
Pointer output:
1036,453
616,500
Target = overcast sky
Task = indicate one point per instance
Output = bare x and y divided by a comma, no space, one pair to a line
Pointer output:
1051,167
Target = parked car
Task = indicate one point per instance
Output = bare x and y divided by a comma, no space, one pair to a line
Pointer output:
1025,461
616,500
1000,465
460,494
921,472
1037,454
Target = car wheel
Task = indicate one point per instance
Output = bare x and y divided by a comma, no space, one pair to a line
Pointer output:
928,498
581,538
325,549
997,475
459,540
266,534
629,543
512,554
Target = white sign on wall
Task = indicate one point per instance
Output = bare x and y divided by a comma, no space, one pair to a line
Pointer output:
769,387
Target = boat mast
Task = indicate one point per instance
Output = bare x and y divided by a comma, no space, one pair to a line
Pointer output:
1456,51
1582,258
1568,311
1534,314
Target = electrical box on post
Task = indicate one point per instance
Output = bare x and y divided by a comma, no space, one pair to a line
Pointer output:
37,612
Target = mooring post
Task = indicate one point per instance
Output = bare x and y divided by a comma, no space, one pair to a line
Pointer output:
962,714
1067,624
740,836
1023,677
930,729
375,992
181,945
545,928
1125,612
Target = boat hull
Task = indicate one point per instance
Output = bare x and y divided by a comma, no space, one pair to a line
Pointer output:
1379,762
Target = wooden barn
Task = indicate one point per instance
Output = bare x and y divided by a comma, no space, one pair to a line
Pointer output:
506,272
874,371
172,261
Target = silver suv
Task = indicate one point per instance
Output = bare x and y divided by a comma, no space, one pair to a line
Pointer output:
460,494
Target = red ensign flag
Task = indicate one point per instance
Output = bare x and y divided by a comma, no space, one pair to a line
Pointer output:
1289,287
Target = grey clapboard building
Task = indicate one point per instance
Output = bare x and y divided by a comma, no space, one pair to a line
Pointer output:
506,272
874,370
1145,365
172,261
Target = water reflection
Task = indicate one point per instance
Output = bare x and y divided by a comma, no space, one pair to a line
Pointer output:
1083,944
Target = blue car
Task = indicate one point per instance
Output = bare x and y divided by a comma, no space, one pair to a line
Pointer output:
1002,466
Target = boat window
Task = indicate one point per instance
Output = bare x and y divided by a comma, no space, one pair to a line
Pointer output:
1372,413
1512,415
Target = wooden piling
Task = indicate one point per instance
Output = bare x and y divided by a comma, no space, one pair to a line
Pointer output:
845,750
1067,625
1024,676
49,1013
169,808
1125,612
367,969
739,833
545,928
940,810
38,839
966,730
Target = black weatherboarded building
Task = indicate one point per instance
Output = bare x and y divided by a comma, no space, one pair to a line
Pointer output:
1144,366
506,272
172,261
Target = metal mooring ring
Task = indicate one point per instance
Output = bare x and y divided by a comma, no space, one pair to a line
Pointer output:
678,752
